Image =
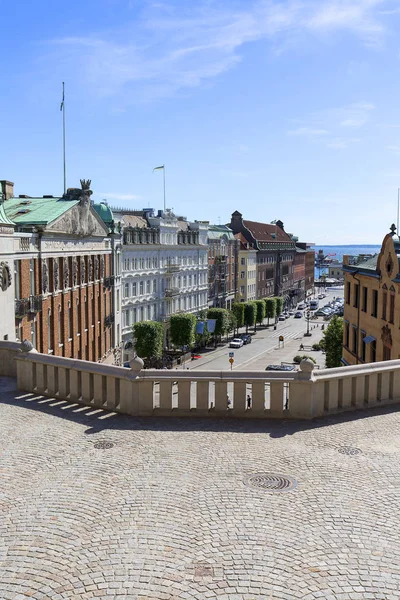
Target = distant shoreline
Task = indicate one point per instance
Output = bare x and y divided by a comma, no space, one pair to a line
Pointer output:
347,245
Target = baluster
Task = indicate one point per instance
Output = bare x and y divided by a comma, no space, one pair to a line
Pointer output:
239,395
99,391
277,397
184,387
62,383
145,394
346,392
372,388
221,395
258,396
385,384
165,394
202,395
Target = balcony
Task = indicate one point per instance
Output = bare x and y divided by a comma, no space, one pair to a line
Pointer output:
21,308
109,320
108,282
35,304
172,268
172,292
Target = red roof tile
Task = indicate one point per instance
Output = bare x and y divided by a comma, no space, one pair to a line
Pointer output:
263,232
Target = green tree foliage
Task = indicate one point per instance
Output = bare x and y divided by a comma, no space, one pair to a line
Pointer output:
333,341
182,329
232,321
270,308
238,311
250,312
148,339
260,311
221,315
279,306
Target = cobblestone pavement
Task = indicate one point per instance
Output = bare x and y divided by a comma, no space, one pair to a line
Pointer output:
165,514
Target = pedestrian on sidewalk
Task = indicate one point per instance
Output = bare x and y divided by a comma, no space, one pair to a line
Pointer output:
228,401
248,401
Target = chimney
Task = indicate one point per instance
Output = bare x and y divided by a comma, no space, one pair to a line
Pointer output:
280,225
7,188
236,222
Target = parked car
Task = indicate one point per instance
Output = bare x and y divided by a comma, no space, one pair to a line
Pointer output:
236,343
291,312
280,368
302,306
281,318
298,315
246,337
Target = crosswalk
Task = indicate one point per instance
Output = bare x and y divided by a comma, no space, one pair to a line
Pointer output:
287,335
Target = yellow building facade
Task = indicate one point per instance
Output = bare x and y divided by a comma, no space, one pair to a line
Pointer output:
247,274
372,306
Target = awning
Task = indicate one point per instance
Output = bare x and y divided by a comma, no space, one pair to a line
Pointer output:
368,339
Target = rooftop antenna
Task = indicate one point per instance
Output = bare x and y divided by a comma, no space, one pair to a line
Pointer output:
219,220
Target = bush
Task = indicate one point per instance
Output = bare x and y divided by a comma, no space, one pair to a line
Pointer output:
279,305
260,311
333,341
316,346
148,339
298,358
182,329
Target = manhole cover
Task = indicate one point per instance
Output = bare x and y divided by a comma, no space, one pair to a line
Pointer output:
349,450
271,482
103,445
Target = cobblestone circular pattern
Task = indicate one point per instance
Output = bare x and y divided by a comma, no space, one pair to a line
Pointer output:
349,450
271,482
102,445
166,514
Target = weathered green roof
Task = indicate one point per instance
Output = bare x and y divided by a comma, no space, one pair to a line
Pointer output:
215,232
36,211
4,220
104,212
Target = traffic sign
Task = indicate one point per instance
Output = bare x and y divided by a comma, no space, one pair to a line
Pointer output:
281,338
231,360
231,354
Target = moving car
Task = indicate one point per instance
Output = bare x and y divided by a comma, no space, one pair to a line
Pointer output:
280,368
281,318
302,306
246,337
236,343
298,315
291,312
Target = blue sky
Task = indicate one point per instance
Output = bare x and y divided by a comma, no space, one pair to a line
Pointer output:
279,109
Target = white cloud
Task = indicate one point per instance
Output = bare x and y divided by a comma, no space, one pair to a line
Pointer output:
342,143
170,48
308,132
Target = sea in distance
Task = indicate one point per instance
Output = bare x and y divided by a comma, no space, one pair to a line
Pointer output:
337,252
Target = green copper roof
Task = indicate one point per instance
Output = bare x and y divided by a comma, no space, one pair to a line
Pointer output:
4,220
104,212
216,232
36,211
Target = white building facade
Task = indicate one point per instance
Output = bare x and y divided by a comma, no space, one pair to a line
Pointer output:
164,267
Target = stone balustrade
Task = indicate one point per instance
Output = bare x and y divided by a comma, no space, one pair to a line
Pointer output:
303,394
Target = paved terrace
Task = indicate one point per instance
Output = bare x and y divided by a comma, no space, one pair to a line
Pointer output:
165,514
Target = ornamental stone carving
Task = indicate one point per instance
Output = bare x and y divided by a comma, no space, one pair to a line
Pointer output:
83,270
74,272
90,261
66,273
56,280
96,268
102,267
45,277
5,276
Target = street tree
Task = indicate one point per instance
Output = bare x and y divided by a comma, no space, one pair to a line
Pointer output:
238,311
279,305
221,316
333,341
182,329
148,337
250,312
260,311
270,308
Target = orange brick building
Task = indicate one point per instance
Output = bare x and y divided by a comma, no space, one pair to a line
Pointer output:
63,274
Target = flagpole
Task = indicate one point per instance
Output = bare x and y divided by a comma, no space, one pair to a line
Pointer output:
164,186
64,163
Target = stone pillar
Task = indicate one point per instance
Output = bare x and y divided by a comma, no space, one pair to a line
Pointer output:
302,404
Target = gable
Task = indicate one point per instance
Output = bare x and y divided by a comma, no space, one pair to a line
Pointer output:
80,220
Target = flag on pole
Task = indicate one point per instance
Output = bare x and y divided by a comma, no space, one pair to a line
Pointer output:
62,101
157,168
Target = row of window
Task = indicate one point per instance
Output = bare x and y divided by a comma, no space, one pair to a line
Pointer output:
387,301
130,316
250,261
251,289
250,274
351,342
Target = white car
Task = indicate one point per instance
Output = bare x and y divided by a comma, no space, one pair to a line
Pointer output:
301,306
236,343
